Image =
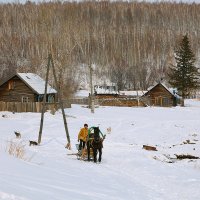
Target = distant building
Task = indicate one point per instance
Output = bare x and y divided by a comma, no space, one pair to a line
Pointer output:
99,89
110,96
102,92
132,93
160,95
25,87
194,94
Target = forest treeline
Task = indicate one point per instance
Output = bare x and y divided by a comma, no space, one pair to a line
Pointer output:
131,44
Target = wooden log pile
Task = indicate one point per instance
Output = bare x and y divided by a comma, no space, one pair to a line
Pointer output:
187,156
149,148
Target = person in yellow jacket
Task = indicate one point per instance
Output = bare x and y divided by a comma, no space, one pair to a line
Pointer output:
82,136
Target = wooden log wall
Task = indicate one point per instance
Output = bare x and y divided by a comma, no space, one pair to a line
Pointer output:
29,106
81,101
121,102
15,95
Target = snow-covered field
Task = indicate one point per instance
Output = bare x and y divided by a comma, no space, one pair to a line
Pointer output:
127,171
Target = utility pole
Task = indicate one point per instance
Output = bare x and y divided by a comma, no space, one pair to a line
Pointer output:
138,100
91,90
44,101
60,101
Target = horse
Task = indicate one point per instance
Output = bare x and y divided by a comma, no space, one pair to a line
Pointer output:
96,143
96,148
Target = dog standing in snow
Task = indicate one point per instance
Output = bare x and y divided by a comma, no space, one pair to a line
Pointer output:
17,134
32,143
109,130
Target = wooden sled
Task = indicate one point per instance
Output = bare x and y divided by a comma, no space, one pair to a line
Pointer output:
82,154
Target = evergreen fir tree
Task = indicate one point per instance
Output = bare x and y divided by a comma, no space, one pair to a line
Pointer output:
184,75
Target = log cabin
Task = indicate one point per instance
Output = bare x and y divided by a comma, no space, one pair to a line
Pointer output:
161,95
26,87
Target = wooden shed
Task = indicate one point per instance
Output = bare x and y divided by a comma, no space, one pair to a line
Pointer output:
109,96
25,87
160,95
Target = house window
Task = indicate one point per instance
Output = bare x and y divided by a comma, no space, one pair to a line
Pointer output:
11,85
40,97
25,99
50,99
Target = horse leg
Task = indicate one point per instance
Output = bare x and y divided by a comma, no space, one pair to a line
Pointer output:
95,154
100,153
88,150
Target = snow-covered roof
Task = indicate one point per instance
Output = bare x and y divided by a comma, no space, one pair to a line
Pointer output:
36,83
170,90
173,91
105,90
132,93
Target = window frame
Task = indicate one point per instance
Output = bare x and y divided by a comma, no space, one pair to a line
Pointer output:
25,99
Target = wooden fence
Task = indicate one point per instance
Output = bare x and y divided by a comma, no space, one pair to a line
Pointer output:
122,102
29,106
82,101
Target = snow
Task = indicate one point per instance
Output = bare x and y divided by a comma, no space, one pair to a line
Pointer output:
105,89
82,93
132,93
127,171
36,83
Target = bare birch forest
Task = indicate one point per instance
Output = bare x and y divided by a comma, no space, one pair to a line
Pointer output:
131,44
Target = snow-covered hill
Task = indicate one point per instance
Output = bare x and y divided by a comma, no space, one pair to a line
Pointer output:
127,171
